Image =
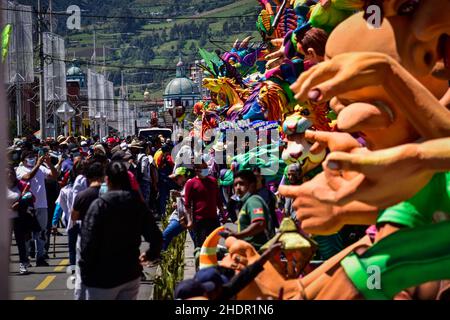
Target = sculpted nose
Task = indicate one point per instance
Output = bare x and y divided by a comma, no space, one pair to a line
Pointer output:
296,155
432,20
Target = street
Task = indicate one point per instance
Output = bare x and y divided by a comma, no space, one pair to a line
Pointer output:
53,282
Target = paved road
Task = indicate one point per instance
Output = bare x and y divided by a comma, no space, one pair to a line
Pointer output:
51,283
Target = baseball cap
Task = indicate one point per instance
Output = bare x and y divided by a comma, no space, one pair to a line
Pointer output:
188,289
210,278
180,171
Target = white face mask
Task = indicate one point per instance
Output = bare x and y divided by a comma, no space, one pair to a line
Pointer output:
240,198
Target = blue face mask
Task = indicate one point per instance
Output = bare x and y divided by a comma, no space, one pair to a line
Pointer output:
204,172
30,162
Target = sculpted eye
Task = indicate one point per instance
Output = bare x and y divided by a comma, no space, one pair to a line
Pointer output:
305,112
408,8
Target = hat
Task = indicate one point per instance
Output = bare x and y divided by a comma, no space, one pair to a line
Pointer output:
135,144
180,171
83,144
100,148
210,278
115,149
124,146
60,138
121,156
188,289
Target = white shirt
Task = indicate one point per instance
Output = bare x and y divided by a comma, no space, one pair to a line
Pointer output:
65,200
37,184
183,158
145,166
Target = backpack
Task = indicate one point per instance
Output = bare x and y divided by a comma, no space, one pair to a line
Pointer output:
138,174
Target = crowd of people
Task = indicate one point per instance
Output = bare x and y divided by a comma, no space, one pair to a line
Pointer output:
52,185
86,186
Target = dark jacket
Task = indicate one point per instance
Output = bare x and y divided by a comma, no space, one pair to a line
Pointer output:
110,239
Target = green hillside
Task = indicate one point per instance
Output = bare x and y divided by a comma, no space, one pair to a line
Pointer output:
156,42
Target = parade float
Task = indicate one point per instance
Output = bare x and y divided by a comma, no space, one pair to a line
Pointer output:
338,90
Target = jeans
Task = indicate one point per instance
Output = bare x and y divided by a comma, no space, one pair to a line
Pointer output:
126,291
163,196
202,229
20,234
72,237
80,289
40,237
173,229
145,190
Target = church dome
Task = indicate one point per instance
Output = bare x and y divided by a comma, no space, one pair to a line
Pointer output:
181,85
74,69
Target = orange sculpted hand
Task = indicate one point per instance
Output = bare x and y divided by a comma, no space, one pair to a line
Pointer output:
343,73
383,178
315,217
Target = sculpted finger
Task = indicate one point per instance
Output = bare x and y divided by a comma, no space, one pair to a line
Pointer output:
362,116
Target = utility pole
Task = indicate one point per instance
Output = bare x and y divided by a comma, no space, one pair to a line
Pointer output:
19,107
5,233
42,113
122,93
95,50
50,8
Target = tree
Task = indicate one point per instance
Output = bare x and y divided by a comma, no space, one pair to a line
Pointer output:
164,35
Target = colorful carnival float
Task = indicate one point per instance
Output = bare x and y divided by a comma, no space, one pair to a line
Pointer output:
364,110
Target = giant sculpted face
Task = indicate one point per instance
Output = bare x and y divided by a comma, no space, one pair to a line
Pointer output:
426,40
370,110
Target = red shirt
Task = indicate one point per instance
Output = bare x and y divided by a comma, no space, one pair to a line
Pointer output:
133,181
203,196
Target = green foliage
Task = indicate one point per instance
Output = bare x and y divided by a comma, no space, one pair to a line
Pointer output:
172,264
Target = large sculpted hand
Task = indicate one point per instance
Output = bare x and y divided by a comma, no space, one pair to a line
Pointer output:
347,73
315,217
343,73
384,178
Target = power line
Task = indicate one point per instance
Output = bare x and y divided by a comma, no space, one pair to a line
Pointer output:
138,17
51,58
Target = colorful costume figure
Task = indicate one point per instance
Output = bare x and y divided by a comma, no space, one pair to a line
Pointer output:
402,261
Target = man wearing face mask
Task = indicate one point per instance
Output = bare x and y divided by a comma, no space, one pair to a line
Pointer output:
202,200
254,222
35,173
